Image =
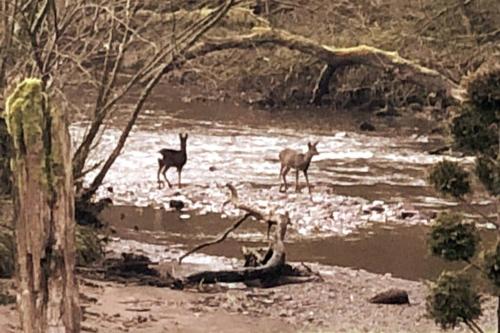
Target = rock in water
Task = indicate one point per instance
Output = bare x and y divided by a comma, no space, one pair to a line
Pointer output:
391,296
177,204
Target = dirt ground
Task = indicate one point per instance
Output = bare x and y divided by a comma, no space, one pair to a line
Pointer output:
339,304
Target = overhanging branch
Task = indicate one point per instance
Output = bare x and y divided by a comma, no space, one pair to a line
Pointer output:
402,68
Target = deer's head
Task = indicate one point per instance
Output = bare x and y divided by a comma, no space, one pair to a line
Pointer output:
312,148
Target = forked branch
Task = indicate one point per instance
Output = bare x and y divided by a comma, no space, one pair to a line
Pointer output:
217,240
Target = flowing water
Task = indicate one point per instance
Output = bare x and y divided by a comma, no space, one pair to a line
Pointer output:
368,186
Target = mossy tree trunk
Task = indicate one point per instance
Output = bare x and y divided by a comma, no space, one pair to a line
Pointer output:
44,212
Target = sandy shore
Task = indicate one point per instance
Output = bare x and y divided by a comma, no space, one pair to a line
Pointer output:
338,304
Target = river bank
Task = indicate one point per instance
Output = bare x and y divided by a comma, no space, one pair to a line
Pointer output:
338,304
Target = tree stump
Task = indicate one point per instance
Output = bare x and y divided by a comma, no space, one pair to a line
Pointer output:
44,212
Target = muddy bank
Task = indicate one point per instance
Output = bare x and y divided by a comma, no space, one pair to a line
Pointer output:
339,304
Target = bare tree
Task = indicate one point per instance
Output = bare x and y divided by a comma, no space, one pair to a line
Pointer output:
82,45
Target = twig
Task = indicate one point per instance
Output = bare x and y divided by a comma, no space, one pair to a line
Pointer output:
475,266
234,199
310,270
219,239
474,324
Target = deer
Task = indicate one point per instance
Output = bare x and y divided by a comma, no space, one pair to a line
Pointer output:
292,159
172,158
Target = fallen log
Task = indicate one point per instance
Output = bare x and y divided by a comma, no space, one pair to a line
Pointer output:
333,57
269,269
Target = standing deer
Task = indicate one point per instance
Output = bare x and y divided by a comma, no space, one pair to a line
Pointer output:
292,159
172,158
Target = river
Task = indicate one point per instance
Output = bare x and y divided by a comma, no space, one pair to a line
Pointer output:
370,204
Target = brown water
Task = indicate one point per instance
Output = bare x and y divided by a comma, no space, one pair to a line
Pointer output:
357,178
395,249
362,182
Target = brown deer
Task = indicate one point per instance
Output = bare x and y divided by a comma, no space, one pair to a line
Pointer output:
172,158
292,159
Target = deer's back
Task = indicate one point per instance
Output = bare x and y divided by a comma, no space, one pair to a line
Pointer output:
292,158
172,157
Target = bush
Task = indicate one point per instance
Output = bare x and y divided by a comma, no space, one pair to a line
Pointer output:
453,300
451,239
483,88
7,250
450,178
492,266
472,133
89,247
488,172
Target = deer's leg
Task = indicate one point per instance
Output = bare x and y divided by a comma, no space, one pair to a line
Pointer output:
285,171
164,172
160,168
281,172
297,180
307,181
179,171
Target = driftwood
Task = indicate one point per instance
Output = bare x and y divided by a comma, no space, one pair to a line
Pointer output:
130,268
267,267
219,239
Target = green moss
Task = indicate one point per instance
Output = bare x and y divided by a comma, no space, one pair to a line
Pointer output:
38,127
26,120
25,114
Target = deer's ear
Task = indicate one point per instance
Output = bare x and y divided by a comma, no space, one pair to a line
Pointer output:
315,144
309,144
185,136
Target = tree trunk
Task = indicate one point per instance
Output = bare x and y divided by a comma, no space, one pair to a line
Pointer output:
498,315
44,212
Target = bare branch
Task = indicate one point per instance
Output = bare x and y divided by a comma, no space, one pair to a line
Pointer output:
144,95
218,239
236,202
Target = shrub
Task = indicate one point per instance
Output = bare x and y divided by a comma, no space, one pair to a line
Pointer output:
452,239
450,178
453,300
